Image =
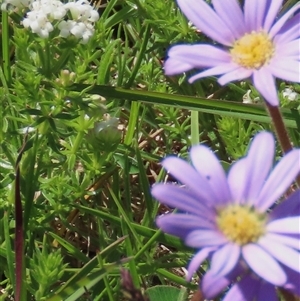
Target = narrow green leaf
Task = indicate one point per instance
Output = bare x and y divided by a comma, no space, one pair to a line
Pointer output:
254,112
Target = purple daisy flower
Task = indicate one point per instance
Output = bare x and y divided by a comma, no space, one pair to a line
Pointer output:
227,218
256,44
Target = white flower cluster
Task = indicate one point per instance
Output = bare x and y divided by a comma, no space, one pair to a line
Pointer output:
83,18
290,94
75,18
42,13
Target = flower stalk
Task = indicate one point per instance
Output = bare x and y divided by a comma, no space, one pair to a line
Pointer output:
281,131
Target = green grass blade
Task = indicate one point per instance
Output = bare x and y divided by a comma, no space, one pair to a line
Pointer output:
212,106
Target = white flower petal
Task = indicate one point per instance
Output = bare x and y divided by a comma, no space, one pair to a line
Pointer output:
260,160
207,20
221,69
232,15
282,176
207,164
271,12
255,11
263,264
285,225
187,175
183,199
182,58
264,82
205,238
284,239
237,180
182,224
236,74
288,256
289,31
225,259
196,261
212,284
289,50
280,23
286,69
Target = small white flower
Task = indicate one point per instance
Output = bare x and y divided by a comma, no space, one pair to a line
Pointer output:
65,28
38,22
248,99
43,14
94,16
289,94
54,9
81,26
78,30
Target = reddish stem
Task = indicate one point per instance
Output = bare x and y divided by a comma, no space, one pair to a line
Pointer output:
281,131
280,128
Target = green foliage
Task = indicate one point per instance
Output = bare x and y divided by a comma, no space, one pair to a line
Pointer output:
94,121
45,269
166,293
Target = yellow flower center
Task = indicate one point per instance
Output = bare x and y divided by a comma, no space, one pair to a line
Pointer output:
241,224
253,50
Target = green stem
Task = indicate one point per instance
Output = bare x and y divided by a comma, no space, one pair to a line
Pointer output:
5,48
133,119
195,127
78,141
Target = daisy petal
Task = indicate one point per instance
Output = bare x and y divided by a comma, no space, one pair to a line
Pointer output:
212,284
207,164
282,21
200,55
285,255
285,225
283,239
237,180
289,50
263,264
232,15
236,74
173,66
255,12
225,259
204,238
183,199
289,32
264,82
280,179
247,176
181,224
221,69
206,19
186,174
196,261
272,10
286,69
260,160
182,58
